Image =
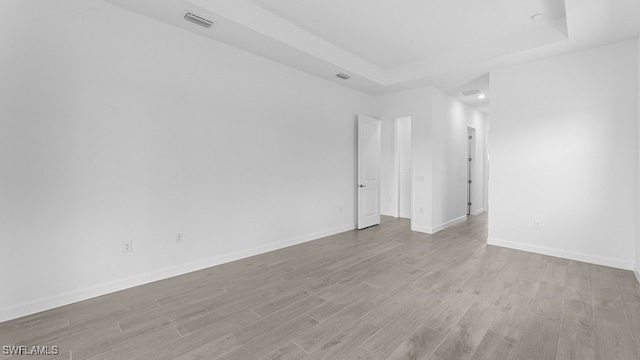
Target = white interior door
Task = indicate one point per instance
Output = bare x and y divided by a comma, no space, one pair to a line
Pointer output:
368,171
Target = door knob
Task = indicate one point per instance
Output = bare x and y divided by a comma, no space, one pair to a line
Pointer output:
362,185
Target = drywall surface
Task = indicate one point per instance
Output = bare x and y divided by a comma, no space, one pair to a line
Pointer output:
487,161
417,104
403,136
388,169
115,127
395,168
637,267
564,151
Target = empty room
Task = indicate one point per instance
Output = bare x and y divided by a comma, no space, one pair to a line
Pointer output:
305,180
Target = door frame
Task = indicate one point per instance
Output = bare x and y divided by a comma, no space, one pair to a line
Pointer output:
471,164
397,169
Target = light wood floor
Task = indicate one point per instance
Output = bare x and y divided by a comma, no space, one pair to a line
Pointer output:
379,293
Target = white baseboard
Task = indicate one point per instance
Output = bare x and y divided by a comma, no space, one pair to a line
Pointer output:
71,297
396,215
588,258
433,230
422,229
448,224
637,272
478,212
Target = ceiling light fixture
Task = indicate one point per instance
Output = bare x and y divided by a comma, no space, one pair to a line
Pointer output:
199,20
537,17
482,96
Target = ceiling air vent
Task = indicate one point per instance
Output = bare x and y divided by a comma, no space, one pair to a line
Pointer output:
199,20
471,92
343,76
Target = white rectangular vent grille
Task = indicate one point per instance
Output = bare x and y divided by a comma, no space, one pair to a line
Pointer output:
471,92
199,20
343,76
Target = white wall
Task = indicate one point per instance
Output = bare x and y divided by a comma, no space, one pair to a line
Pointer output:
118,127
637,267
405,163
487,161
395,168
563,150
479,189
388,169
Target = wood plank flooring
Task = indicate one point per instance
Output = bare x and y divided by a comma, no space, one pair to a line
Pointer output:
379,293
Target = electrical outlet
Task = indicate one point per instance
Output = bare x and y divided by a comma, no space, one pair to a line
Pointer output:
421,210
127,246
537,224
178,238
341,210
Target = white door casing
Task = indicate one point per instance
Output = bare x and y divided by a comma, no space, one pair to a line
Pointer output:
369,137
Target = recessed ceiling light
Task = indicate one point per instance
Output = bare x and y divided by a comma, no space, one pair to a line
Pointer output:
471,92
537,17
482,96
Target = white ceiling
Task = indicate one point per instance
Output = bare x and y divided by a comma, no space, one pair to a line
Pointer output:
394,33
389,46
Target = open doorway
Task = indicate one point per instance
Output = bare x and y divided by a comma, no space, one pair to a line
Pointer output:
396,167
